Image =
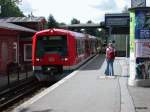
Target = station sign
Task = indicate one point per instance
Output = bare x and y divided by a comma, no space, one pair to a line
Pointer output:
138,3
117,21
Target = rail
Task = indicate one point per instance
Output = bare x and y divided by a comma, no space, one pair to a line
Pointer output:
10,96
15,74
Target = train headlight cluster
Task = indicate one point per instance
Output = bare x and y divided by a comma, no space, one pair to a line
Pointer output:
64,59
48,69
38,59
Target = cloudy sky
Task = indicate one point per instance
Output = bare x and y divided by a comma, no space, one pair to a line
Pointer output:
83,10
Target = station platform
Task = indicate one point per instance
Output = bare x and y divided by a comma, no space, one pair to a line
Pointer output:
87,90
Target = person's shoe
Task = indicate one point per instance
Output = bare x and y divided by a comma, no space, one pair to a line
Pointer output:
102,77
108,76
113,77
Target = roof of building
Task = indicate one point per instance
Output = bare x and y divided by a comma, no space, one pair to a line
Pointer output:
139,8
117,14
88,25
22,19
15,27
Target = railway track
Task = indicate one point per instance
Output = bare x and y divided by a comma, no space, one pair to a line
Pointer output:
11,95
14,95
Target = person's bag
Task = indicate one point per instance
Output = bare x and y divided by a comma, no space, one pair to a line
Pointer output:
111,53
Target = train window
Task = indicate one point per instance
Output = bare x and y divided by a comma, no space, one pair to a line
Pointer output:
39,48
80,47
83,46
52,44
77,46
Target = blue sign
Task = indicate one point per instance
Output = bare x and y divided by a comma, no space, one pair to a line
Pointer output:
142,34
140,19
145,34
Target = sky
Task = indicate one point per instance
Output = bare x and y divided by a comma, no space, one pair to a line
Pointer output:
66,10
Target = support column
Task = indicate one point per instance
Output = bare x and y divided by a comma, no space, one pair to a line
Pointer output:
139,47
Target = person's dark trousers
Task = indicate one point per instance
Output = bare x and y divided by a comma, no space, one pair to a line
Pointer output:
107,68
111,68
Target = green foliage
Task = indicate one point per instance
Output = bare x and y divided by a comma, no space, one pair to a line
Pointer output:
52,23
62,23
9,8
75,21
89,22
16,1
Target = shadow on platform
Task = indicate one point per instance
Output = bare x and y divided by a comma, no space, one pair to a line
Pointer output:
96,63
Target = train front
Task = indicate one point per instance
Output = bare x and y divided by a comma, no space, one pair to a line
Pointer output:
49,54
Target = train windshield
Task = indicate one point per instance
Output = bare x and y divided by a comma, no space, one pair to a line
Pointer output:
51,45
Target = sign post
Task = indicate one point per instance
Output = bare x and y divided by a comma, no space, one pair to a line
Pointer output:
0,9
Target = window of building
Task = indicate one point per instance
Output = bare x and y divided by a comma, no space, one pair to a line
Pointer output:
27,52
14,55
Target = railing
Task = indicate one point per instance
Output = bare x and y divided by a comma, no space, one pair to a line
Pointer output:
16,73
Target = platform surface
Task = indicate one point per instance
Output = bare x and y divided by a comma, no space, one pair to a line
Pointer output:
87,90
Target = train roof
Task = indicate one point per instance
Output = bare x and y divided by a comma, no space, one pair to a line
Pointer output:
63,31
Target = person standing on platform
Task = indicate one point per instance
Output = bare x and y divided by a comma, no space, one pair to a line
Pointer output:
110,56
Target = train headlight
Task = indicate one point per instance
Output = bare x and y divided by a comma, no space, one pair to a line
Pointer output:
64,59
48,69
38,59
51,31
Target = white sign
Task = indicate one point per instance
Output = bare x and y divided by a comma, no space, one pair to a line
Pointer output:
138,3
142,48
0,9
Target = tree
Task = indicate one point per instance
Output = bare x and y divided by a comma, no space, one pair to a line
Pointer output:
89,22
62,23
52,23
75,21
9,8
16,1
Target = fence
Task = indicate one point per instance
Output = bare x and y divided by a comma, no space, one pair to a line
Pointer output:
16,73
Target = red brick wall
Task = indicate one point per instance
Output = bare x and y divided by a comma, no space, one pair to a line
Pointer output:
7,38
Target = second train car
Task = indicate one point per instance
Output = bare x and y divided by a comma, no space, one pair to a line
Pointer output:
55,50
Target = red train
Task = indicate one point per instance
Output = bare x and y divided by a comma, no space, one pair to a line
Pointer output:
55,50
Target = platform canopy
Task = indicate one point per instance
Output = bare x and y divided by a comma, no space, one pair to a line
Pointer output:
89,25
118,22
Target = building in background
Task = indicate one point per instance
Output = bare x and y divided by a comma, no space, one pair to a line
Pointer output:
16,39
